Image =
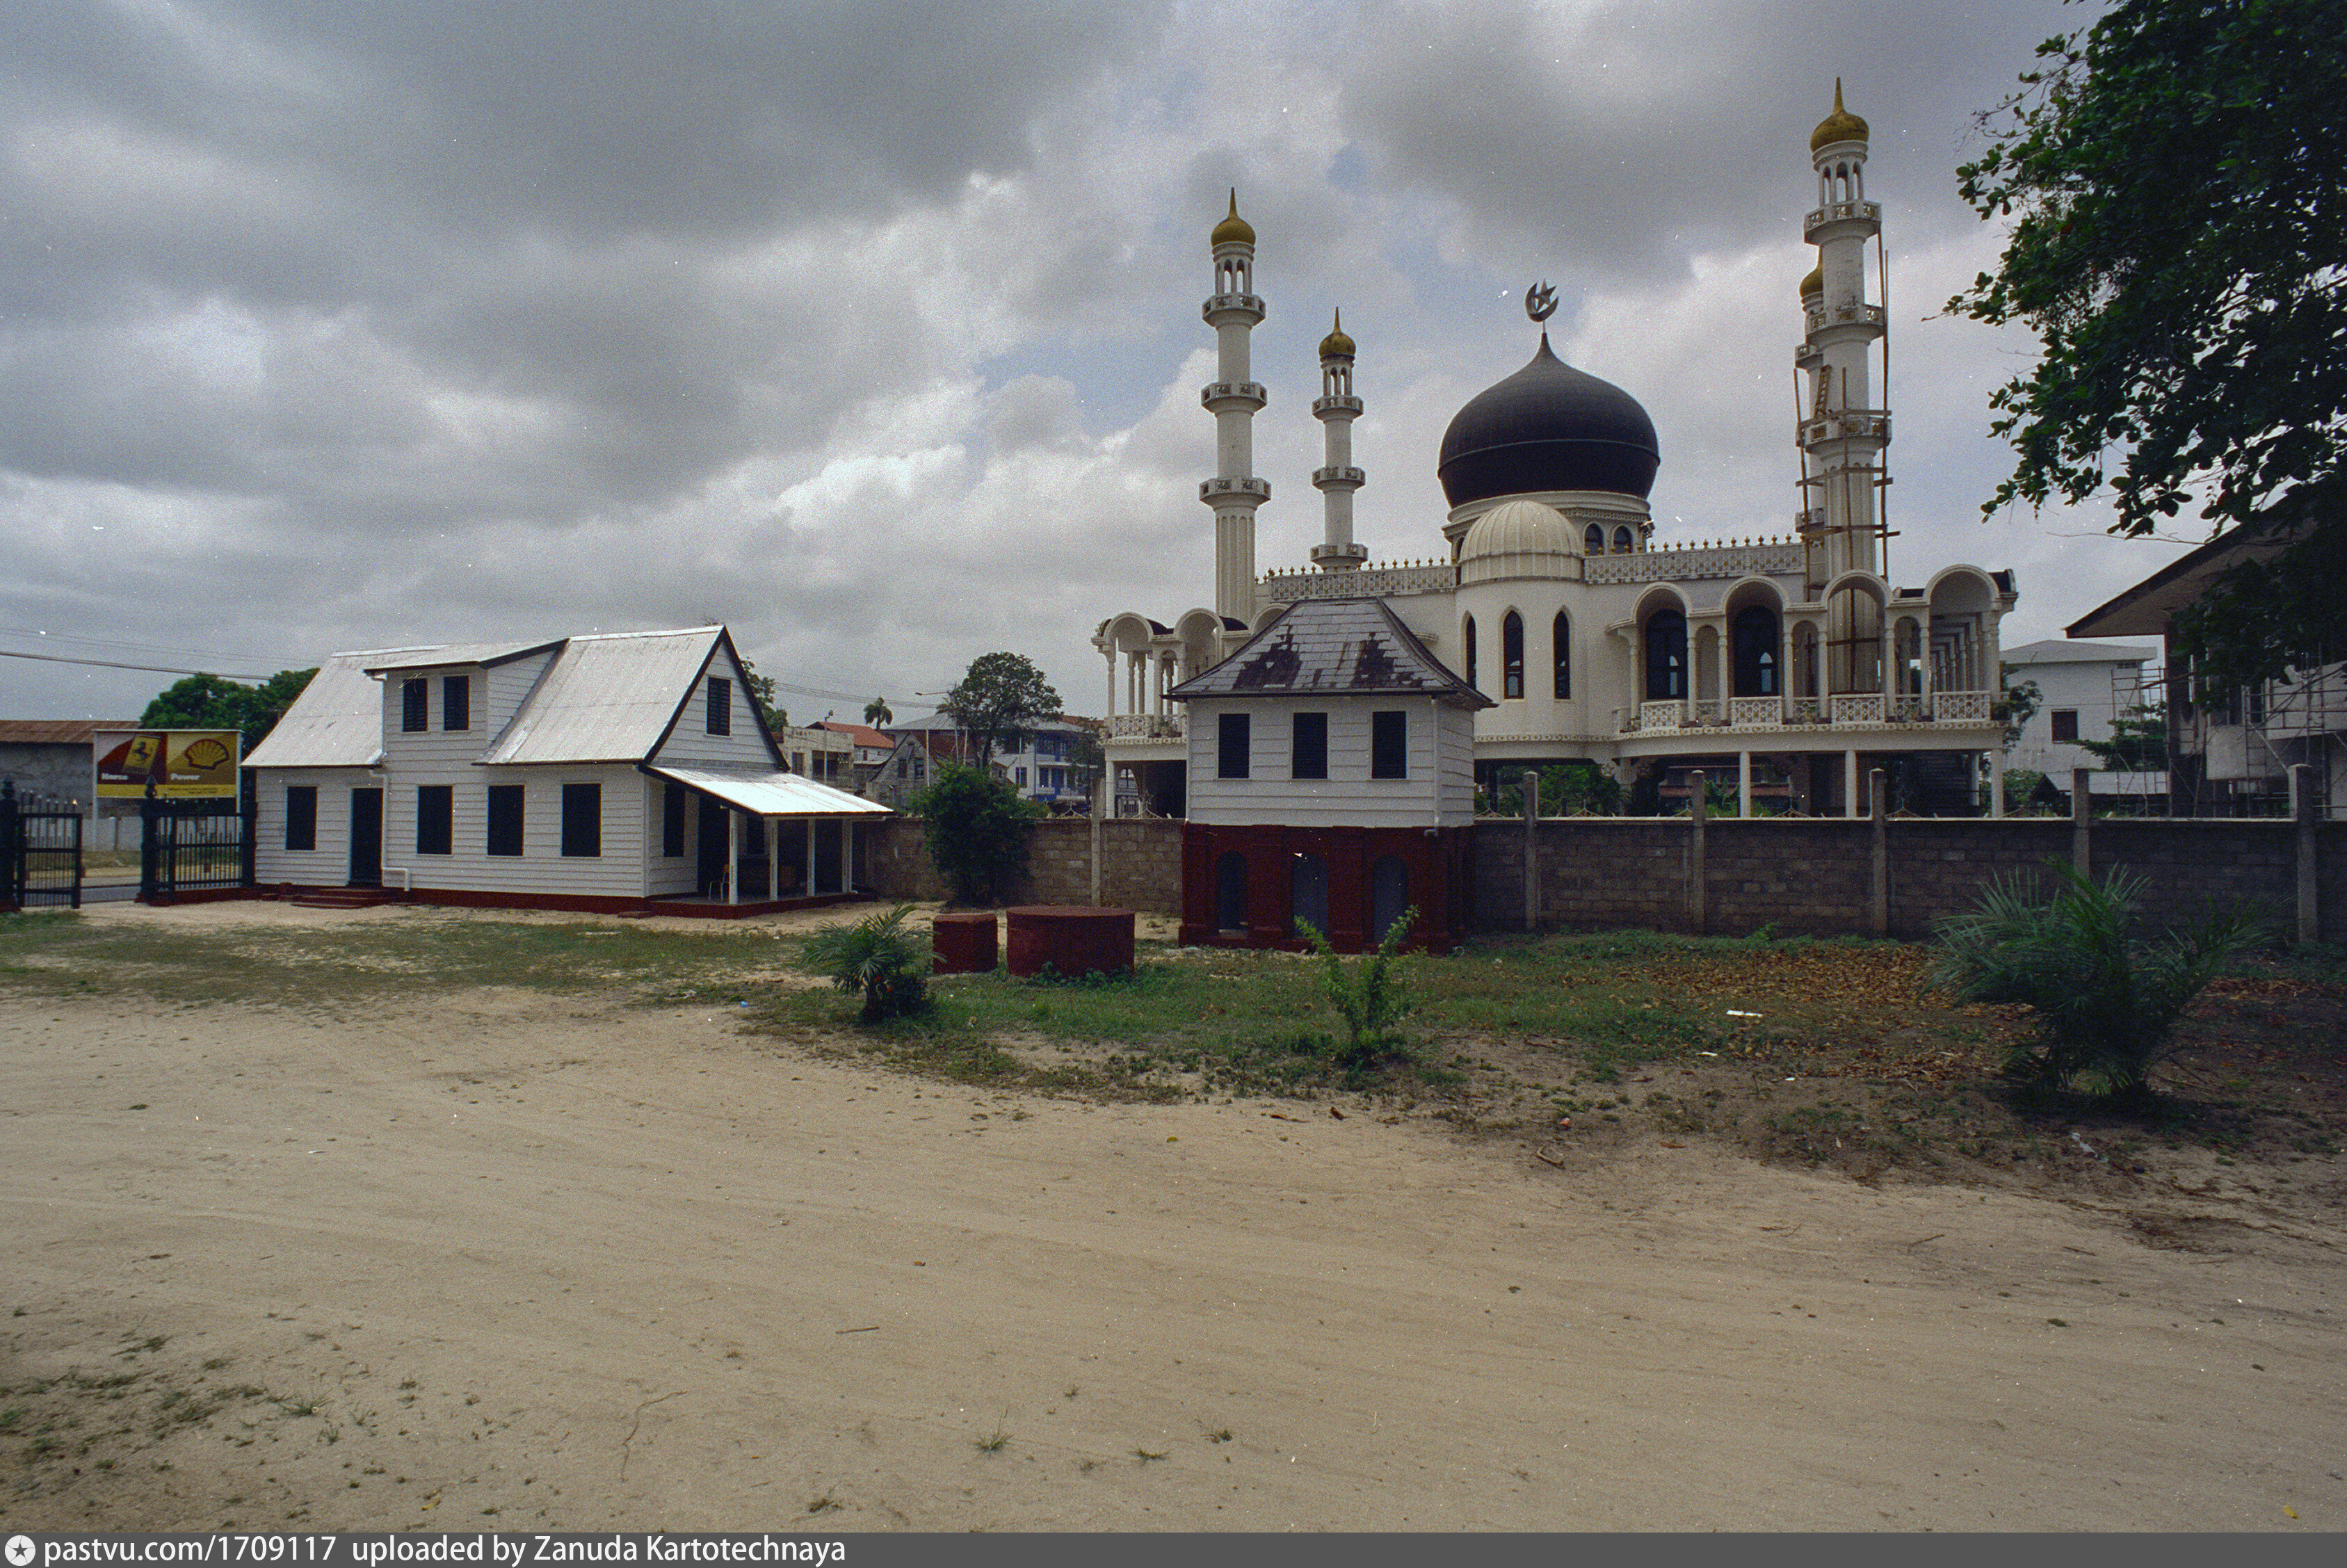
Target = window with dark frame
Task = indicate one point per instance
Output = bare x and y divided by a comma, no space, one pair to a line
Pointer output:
435,819
582,821
1467,640
1390,743
1561,635
456,702
2066,725
506,803
1309,749
1231,741
673,821
300,816
414,705
721,705
1511,655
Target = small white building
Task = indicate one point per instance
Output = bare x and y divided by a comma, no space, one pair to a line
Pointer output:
589,773
2082,687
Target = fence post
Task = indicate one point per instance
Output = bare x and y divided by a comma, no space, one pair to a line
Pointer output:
249,808
151,854
1698,815
2082,814
2301,810
12,851
1878,914
1532,849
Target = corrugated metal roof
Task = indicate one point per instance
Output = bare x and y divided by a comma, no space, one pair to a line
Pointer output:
57,731
771,794
1332,647
336,721
606,699
2056,652
459,653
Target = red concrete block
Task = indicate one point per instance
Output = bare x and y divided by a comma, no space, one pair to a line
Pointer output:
963,944
1075,939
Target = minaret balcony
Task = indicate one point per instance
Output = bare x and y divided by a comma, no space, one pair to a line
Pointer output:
1240,307
1822,317
1338,478
1839,212
1248,491
1326,408
1341,557
1846,424
1220,395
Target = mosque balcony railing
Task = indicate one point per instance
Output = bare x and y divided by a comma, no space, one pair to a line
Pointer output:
1770,558
1213,489
1755,712
1232,304
1847,424
1148,726
1215,396
1834,212
1819,318
1364,582
1333,477
1338,403
1856,708
1845,711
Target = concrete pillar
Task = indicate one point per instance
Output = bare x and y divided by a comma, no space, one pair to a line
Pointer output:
1851,807
1744,783
773,860
1532,849
732,856
1996,781
1878,881
1698,878
809,886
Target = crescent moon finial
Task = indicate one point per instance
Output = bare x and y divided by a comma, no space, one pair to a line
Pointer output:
1540,300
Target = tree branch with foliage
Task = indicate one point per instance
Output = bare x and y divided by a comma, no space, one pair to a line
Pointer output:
976,827
217,702
1000,701
2176,180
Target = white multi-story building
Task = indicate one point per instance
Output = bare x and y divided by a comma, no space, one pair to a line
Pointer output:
1790,665
2082,687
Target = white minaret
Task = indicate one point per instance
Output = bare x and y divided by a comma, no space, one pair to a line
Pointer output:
1234,398
1336,407
1842,434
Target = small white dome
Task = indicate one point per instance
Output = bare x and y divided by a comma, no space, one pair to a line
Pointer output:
1515,539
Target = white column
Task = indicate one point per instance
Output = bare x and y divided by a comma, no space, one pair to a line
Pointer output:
808,885
1850,784
773,860
1744,783
1997,781
732,856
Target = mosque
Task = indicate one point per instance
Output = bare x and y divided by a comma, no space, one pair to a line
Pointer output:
1789,667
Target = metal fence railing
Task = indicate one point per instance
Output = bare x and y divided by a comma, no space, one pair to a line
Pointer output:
40,851
192,847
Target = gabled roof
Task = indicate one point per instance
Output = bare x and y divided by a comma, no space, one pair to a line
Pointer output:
608,698
862,734
1333,648
336,721
484,655
2054,651
2144,610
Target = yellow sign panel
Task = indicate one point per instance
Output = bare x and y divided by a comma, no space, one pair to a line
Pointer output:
182,765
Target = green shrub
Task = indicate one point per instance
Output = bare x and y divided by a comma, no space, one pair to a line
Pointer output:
2106,1000
878,958
1371,1005
976,826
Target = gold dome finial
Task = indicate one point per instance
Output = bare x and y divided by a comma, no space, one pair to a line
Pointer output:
1234,229
1814,283
1840,126
1337,345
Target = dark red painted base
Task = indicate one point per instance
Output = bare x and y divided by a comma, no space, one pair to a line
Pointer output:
580,903
1437,863
1075,940
963,944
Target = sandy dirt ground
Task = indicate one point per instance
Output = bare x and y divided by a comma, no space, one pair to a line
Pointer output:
484,1260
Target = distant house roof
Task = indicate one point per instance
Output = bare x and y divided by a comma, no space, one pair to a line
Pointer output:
862,734
57,731
2054,651
1332,647
2144,610
336,721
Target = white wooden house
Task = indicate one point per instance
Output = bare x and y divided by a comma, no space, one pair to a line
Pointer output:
590,773
1331,780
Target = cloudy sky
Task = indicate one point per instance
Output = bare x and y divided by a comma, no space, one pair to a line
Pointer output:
871,327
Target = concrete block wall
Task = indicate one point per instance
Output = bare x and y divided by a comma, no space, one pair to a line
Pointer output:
1141,863
1795,874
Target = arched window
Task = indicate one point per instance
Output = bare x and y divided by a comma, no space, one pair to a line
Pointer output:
1623,539
1230,892
1309,893
1756,674
1592,540
1466,636
1666,656
1561,635
1511,655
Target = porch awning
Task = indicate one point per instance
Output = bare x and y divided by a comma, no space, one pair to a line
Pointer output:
770,795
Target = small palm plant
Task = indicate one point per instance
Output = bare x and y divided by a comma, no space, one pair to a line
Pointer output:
1371,1006
2108,1000
878,958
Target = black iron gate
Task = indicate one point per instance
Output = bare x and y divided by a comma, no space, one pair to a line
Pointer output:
193,846
40,851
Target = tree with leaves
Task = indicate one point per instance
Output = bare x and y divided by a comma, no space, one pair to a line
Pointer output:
205,702
2176,180
976,828
1000,701
876,713
759,688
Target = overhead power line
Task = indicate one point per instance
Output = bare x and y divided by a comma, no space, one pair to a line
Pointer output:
111,664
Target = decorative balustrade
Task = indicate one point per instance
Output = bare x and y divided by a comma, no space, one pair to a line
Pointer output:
1147,726
1333,478
1963,707
1743,713
1366,582
1259,488
1665,716
1847,423
1704,716
1840,212
1769,557
1215,395
1822,317
1857,708
1862,709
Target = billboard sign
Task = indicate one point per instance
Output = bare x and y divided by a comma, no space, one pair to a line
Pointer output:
182,765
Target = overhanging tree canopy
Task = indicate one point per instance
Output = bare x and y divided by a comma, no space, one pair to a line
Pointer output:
2176,175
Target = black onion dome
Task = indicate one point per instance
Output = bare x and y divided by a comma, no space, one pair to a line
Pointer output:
1548,428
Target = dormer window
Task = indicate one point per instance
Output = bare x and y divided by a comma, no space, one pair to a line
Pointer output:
721,706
